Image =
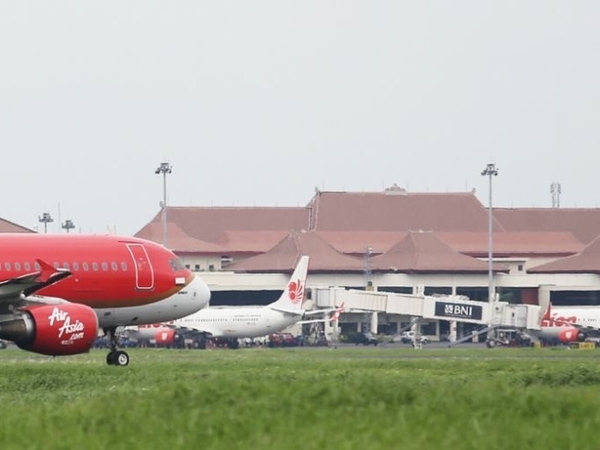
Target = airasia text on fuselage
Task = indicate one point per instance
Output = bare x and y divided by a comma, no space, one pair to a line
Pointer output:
558,321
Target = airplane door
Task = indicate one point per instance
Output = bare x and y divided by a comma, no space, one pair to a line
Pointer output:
144,274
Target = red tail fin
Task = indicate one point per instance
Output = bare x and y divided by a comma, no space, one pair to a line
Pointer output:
545,319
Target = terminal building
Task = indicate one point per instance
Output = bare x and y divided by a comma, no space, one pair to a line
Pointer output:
390,241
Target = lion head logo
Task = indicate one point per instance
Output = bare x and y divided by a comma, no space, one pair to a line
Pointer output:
296,291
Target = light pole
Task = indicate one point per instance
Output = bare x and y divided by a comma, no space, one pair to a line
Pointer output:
45,218
68,225
490,171
164,168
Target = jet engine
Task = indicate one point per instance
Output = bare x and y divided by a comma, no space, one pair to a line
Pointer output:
64,329
571,335
166,337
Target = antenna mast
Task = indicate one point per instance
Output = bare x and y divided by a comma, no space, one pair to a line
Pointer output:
555,190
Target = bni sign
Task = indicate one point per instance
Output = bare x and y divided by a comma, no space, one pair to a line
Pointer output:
458,310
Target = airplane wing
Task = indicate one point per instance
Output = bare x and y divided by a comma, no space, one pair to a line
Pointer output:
335,316
14,289
588,330
288,311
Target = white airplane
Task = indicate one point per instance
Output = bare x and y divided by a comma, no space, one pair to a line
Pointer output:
230,324
569,324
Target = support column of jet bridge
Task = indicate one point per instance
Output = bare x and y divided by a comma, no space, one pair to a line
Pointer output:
416,329
374,322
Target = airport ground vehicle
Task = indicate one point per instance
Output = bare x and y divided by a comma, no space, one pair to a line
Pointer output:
365,339
408,337
282,340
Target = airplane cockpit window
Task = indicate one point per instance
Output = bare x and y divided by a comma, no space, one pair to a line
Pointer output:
176,264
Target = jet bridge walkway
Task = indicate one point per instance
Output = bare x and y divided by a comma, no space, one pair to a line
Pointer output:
457,308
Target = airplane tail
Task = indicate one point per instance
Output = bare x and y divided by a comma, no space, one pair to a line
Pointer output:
545,315
294,294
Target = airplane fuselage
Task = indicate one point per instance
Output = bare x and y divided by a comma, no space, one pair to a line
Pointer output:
563,319
239,322
231,322
125,280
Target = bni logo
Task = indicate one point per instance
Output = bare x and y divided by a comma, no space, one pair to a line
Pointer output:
458,310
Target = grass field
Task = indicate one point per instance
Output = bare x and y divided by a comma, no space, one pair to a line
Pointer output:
345,398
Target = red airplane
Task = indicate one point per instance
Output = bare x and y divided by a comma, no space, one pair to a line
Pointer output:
57,291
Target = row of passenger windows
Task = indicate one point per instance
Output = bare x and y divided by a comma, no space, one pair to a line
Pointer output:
85,266
235,319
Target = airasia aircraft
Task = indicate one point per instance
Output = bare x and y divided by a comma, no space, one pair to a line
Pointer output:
569,324
57,291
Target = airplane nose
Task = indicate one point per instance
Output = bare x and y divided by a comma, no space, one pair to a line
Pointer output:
200,292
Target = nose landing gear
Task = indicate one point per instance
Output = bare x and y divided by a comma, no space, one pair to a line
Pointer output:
115,357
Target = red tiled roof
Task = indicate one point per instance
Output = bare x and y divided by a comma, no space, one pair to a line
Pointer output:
283,256
513,243
398,210
588,261
349,222
357,242
426,252
251,241
584,223
209,223
178,240
6,226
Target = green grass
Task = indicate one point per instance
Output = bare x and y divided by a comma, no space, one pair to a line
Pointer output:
349,398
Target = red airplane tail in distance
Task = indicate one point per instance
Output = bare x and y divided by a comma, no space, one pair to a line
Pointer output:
57,291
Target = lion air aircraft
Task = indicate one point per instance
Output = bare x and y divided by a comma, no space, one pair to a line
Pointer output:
232,323
57,291
570,324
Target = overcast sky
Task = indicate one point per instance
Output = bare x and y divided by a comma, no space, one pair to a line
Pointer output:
258,103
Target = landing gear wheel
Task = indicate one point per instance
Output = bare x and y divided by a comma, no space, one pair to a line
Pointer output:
111,358
122,358
115,357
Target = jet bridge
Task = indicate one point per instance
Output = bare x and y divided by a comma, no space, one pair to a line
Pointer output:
437,307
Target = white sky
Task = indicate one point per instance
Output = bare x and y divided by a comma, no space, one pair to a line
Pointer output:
256,103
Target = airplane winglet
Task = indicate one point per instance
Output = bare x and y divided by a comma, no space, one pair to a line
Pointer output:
46,276
336,314
46,271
